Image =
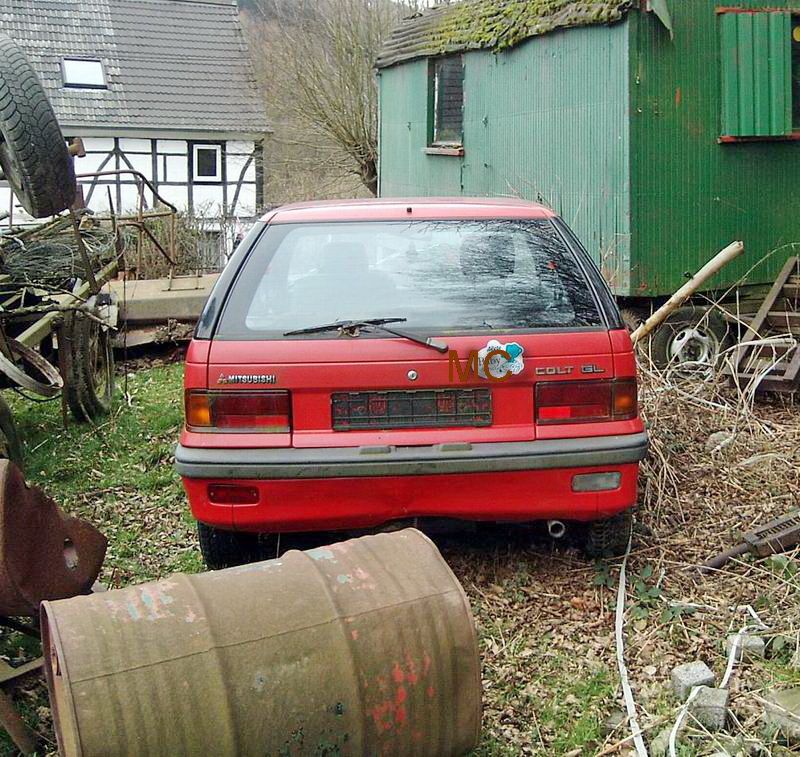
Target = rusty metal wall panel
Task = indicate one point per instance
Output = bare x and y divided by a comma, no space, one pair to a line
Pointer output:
363,647
404,169
692,194
546,120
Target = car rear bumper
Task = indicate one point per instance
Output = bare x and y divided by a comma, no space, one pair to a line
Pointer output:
306,490
439,459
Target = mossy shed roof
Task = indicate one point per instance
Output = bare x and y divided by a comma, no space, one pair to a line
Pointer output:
490,24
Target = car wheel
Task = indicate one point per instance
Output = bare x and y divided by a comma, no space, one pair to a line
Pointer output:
609,537
33,153
226,549
275,545
695,336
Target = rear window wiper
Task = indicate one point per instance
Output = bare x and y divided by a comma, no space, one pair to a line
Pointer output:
351,328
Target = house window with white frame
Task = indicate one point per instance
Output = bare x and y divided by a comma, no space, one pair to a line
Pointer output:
207,162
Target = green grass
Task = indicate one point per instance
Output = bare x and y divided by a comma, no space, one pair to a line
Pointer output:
119,475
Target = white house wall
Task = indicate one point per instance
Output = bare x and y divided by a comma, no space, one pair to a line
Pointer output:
168,163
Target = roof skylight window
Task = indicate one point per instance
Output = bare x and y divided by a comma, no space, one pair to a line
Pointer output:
83,73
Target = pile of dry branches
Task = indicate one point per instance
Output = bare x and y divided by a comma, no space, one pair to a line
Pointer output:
724,459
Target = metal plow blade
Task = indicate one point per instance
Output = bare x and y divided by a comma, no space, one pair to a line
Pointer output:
44,554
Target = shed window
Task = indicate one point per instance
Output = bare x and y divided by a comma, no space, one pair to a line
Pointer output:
446,97
83,73
207,162
760,70
796,73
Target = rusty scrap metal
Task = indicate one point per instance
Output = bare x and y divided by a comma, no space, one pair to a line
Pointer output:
777,536
44,554
54,382
365,647
22,736
138,220
94,287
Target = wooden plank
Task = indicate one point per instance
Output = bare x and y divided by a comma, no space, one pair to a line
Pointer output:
761,76
755,326
780,73
730,76
746,74
786,320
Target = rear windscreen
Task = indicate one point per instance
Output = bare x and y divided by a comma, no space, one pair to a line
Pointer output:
441,276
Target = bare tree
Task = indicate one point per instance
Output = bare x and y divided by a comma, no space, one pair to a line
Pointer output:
317,62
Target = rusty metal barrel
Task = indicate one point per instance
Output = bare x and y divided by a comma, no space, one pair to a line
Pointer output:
366,647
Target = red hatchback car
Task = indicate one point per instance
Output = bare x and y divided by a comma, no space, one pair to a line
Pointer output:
367,361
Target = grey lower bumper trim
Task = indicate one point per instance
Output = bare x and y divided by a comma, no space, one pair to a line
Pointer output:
345,462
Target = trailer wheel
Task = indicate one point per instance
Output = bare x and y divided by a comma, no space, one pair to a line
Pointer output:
89,367
609,537
33,153
10,445
691,335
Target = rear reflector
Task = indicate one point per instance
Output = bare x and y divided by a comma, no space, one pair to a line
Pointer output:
585,401
232,494
596,482
261,412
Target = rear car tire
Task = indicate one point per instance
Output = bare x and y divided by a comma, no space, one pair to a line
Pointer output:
33,153
690,334
609,537
227,549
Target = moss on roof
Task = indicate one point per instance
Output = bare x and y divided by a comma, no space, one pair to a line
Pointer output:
491,24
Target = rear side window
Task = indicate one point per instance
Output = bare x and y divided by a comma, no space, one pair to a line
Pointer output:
445,277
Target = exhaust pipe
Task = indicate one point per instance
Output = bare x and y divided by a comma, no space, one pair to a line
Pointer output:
556,529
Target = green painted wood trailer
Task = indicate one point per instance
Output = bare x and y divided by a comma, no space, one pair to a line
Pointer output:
661,130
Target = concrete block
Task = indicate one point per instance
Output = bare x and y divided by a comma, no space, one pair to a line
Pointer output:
782,710
659,746
749,647
615,720
686,677
710,707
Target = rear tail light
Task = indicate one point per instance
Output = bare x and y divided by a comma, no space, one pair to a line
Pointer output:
586,401
262,412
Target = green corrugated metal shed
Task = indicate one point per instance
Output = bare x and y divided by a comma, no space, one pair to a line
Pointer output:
657,149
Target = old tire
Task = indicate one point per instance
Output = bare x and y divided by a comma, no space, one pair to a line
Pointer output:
609,537
10,444
33,153
89,367
227,549
690,335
